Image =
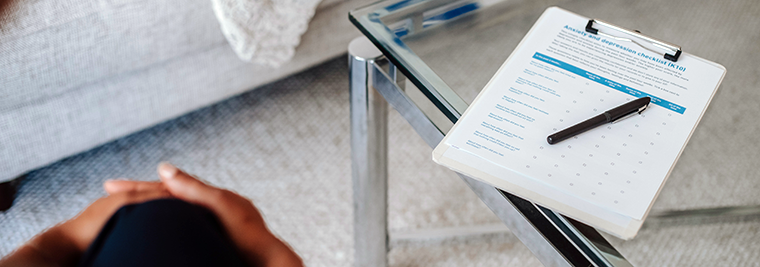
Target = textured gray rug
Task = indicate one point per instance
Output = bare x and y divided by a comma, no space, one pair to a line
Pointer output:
286,146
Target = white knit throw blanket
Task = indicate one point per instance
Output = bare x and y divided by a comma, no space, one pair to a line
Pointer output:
264,31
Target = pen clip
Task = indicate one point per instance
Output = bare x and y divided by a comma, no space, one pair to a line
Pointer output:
641,109
625,117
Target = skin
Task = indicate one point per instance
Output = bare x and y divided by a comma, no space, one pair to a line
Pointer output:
63,244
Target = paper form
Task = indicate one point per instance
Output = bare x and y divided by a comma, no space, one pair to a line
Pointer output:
561,75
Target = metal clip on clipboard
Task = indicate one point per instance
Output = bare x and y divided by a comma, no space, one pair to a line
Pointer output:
676,50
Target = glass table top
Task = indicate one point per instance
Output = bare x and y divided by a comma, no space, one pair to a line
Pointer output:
450,49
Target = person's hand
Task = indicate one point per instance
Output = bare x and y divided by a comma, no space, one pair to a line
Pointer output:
63,244
238,215
83,228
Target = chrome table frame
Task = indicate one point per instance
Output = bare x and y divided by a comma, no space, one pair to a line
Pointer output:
554,239
375,81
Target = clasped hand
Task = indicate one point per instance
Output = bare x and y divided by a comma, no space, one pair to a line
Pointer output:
63,244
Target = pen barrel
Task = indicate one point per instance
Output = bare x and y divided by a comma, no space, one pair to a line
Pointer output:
578,128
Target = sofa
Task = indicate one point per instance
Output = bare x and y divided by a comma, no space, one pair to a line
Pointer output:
78,74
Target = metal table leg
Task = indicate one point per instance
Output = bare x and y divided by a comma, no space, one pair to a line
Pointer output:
369,157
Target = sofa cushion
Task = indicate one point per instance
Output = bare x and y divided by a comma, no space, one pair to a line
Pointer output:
57,47
79,74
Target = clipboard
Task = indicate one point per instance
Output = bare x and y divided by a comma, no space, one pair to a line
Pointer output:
566,69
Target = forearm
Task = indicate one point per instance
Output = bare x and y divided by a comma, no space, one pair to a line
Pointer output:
51,248
282,255
261,248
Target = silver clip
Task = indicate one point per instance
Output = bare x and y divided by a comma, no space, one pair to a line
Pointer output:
624,117
641,109
675,49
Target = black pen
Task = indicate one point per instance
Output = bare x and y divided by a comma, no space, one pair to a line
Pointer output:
611,115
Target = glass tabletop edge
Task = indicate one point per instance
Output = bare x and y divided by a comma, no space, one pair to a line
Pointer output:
433,87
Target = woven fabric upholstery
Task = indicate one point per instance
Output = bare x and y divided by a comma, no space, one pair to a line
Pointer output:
77,74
